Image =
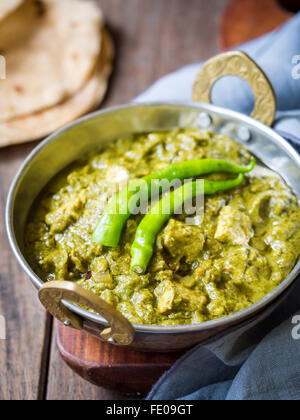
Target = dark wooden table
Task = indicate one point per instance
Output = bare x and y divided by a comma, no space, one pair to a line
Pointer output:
153,37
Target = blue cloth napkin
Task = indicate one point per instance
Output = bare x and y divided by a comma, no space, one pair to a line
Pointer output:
261,360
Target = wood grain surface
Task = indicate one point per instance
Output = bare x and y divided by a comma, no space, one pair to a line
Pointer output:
153,37
244,20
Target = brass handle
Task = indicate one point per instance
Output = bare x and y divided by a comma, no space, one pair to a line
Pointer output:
237,63
52,294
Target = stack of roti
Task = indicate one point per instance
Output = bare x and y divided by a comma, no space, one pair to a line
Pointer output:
58,61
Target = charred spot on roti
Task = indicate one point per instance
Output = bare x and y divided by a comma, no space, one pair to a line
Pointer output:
74,24
40,8
19,89
75,56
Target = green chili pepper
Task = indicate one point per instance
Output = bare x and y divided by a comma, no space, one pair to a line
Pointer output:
152,223
112,222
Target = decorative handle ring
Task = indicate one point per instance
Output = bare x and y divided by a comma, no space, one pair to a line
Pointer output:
53,293
237,63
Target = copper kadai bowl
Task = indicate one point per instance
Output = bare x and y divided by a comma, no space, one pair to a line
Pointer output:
72,142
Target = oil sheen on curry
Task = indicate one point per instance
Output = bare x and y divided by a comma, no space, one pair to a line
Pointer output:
246,245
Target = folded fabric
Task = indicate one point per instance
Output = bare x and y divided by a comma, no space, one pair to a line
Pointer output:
260,361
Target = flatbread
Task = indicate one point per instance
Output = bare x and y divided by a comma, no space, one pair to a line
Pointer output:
8,6
40,124
51,48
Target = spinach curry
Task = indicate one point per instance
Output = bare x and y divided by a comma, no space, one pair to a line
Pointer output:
247,244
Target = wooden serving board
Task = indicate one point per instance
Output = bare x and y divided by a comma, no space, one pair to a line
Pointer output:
126,371
244,20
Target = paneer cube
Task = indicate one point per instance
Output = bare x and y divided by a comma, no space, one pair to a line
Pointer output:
181,240
234,226
167,297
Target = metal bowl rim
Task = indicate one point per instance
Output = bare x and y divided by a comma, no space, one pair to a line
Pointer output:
220,322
